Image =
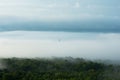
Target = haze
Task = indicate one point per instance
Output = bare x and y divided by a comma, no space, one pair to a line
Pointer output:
60,44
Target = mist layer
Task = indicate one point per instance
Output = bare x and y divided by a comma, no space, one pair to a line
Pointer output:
60,44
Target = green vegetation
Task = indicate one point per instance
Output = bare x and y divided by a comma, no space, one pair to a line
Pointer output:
55,69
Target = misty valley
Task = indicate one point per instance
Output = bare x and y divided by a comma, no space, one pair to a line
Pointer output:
59,39
28,47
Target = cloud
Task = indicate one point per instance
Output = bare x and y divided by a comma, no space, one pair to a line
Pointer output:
51,10
51,5
60,44
77,5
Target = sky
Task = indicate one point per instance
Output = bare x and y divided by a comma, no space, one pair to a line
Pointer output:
61,15
32,44
60,9
45,28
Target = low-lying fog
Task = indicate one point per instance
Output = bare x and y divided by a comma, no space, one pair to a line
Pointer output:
60,44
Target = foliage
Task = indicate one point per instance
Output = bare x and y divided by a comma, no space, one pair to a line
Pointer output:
52,69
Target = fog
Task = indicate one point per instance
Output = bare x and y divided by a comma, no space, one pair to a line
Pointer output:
60,44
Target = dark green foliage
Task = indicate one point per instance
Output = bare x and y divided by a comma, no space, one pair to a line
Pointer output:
51,69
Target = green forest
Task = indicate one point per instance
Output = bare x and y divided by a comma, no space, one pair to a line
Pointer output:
56,69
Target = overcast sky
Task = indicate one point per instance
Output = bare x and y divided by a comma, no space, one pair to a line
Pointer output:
60,15
60,44
60,9
68,16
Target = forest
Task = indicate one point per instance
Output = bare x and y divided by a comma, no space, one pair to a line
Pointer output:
67,68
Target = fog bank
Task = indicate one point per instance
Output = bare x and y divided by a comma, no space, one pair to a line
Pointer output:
60,44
